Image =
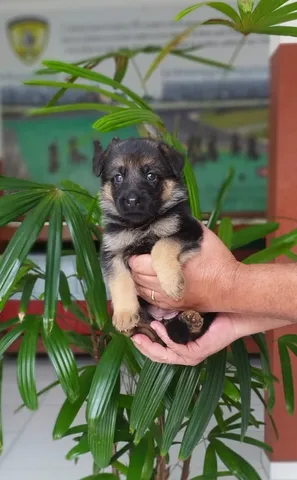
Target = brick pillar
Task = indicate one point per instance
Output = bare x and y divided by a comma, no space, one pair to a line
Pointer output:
282,463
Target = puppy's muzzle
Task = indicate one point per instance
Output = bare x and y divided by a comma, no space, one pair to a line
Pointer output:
132,200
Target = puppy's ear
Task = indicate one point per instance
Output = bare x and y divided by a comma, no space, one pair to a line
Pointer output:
173,157
98,158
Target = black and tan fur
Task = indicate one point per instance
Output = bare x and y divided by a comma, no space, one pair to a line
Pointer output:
145,208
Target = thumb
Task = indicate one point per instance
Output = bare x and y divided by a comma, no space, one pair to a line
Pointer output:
142,264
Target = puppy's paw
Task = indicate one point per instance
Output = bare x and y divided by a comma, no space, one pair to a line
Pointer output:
124,321
149,332
193,320
173,285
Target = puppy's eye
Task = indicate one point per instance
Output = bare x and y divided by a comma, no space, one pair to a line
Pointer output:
118,178
151,176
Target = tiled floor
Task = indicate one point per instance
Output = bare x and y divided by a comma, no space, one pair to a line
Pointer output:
31,454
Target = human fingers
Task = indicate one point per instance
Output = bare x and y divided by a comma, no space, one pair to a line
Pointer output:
156,298
183,352
147,281
154,351
142,264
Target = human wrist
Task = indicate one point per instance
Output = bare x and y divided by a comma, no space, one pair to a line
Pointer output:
265,290
248,286
228,287
245,325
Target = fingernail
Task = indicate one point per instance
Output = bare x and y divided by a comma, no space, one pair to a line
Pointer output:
136,340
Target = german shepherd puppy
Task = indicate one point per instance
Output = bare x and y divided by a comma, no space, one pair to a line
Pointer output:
145,210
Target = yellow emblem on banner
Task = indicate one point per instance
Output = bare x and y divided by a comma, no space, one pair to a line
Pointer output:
28,38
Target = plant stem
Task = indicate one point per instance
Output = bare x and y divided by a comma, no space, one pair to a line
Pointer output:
186,469
95,345
115,464
161,473
161,469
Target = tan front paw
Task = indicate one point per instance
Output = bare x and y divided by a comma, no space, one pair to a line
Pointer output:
125,320
193,320
173,287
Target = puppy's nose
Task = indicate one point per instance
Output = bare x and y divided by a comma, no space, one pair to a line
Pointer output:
132,200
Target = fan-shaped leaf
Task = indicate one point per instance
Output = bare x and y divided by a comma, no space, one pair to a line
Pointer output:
148,465
26,365
192,189
204,61
249,440
28,287
287,374
10,337
82,428
265,7
70,410
284,14
83,342
133,358
226,231
188,173
21,243
106,375
183,395
63,361
285,238
95,77
121,64
14,205
223,192
127,117
270,253
260,340
88,202
242,363
80,86
53,261
81,448
221,7
9,323
209,477
88,260
137,459
153,382
210,467
230,390
207,401
250,234
64,291
11,183
105,108
172,44
102,476
235,463
279,30
101,434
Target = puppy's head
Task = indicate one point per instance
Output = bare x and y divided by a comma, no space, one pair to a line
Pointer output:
141,179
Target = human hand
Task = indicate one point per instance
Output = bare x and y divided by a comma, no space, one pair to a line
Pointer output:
225,329
220,334
209,277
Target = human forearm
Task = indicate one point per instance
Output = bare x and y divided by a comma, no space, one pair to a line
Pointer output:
265,290
250,325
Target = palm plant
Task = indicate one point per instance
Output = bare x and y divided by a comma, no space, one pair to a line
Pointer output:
136,410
